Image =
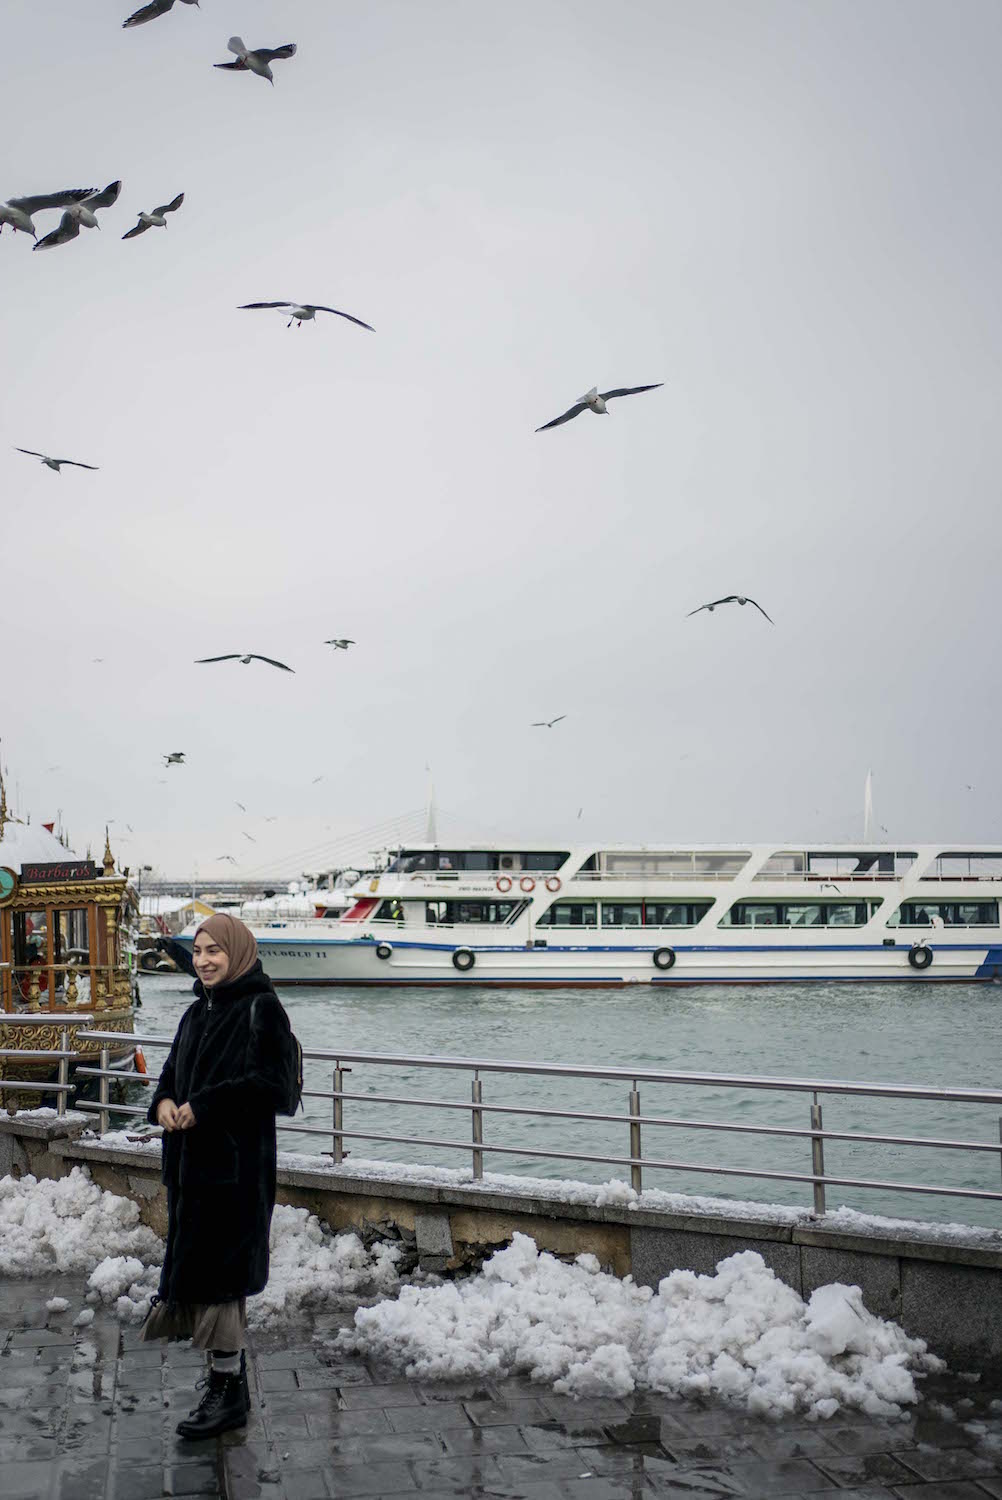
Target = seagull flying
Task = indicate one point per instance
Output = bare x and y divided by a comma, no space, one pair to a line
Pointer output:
55,463
303,312
594,400
341,645
241,806
17,212
156,217
730,599
227,856
237,656
82,213
547,723
175,758
151,11
257,61
250,836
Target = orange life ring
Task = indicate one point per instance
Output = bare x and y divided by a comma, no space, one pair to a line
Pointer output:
140,1062
553,883
527,883
503,883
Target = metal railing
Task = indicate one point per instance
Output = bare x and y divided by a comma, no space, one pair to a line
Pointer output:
62,1056
632,1119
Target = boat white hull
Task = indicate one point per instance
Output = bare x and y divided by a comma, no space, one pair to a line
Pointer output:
339,960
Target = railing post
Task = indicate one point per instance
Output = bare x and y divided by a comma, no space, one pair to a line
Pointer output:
478,1128
64,1070
1000,1139
636,1172
817,1157
338,1115
103,1093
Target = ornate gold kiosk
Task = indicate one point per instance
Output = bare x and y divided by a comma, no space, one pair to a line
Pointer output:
64,926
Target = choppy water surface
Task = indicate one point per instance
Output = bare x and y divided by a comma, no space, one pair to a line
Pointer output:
938,1035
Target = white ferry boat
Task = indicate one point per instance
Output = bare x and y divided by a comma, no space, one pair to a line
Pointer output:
701,914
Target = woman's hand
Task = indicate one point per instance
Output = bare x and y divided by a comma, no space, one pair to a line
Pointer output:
167,1114
185,1117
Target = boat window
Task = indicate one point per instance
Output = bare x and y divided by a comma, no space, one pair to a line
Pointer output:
622,914
946,914
548,861
783,862
675,913
868,864
966,866
449,913
389,911
798,914
806,914
677,864
570,914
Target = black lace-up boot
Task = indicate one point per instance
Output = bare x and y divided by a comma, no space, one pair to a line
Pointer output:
223,1406
243,1379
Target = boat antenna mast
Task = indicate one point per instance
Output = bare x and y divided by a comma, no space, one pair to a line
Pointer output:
868,809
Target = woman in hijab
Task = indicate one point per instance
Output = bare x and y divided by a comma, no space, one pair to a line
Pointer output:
216,1099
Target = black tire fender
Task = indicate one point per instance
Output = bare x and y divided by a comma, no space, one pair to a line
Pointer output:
664,958
383,950
463,959
920,956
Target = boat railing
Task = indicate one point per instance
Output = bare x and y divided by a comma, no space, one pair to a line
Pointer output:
61,1056
52,984
635,1121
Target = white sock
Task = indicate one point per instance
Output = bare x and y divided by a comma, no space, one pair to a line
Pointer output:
227,1364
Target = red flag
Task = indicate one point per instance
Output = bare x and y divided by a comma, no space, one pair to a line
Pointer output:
49,826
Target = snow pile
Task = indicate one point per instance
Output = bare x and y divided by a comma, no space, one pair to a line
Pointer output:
312,1269
126,1283
67,1225
56,1304
742,1335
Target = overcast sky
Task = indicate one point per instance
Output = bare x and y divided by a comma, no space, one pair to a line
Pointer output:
788,212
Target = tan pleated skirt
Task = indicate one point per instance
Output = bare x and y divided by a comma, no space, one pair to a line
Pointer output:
209,1325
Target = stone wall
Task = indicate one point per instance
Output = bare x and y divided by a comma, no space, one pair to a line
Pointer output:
947,1293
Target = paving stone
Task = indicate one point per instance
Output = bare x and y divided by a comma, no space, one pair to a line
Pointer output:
29,1481
864,1468
440,1418
547,1435
463,1474
782,1476
959,1489
305,1484
530,1468
506,1413
954,1463
355,1397
374,1479
138,1484
80,1479
473,1440
346,1423
192,1479
646,1427
277,1380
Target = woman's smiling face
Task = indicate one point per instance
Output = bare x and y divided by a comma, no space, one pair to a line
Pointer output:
212,963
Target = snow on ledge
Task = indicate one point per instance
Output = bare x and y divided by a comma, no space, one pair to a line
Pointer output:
618,1193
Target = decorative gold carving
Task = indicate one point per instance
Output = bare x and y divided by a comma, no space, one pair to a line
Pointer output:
71,996
33,991
109,858
71,894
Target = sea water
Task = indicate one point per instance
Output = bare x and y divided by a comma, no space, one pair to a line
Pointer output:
938,1035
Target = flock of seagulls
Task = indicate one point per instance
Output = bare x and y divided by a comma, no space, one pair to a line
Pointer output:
79,209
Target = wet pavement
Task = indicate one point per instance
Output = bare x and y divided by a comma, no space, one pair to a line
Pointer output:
89,1414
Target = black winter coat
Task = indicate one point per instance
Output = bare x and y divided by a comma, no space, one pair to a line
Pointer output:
220,1173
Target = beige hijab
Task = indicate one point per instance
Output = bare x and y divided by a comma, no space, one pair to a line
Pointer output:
236,941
